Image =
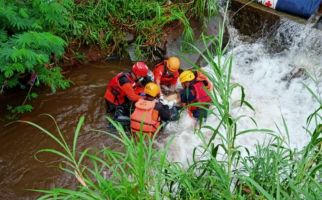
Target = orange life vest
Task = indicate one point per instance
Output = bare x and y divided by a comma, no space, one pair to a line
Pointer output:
201,94
166,78
138,90
201,77
145,117
114,93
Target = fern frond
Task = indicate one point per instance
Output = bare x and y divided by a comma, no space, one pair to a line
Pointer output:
44,41
52,78
3,36
54,13
13,55
24,50
15,18
13,81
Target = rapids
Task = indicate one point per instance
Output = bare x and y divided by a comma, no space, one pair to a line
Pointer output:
273,71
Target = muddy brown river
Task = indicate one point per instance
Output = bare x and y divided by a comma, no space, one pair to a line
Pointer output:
19,170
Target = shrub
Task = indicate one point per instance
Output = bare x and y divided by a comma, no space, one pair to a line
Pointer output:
28,44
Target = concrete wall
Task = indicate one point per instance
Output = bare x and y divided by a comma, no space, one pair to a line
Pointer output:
254,20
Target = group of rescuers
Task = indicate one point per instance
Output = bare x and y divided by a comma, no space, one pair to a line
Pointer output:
134,97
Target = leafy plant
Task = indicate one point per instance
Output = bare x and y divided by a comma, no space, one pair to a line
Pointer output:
35,33
20,109
28,44
129,174
108,23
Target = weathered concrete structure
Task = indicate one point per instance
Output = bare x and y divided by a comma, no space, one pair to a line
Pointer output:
254,20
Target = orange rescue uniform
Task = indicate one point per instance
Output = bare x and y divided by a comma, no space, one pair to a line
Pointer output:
164,76
145,118
120,87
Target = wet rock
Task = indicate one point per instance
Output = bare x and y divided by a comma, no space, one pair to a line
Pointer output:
174,42
129,37
129,52
280,40
252,19
256,20
297,72
112,57
319,24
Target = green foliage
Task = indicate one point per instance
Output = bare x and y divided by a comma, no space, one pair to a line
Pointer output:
129,174
3,36
20,109
32,31
204,8
139,171
55,13
284,173
108,22
18,16
32,95
28,44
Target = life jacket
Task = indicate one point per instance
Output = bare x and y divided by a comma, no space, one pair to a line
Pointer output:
145,117
201,77
167,78
200,92
114,93
138,90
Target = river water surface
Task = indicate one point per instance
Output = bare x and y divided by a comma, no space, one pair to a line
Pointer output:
19,170
275,71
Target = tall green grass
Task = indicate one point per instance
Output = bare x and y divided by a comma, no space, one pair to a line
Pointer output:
107,174
108,23
221,171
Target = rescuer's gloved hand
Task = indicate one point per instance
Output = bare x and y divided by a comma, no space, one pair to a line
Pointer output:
166,102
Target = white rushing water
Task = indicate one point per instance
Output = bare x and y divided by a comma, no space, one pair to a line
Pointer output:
274,80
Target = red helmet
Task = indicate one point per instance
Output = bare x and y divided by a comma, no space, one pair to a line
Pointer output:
140,69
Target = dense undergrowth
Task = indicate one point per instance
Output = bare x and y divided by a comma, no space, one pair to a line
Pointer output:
218,171
109,23
35,34
29,45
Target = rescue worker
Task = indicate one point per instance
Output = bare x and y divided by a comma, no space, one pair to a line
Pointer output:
166,73
139,86
120,92
149,113
195,86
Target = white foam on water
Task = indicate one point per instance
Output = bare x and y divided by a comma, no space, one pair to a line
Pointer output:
274,86
184,139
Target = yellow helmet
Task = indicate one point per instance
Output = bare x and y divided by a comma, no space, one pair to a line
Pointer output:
173,64
152,89
186,76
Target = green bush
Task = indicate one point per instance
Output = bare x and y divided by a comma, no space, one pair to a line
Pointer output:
35,33
28,44
107,23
